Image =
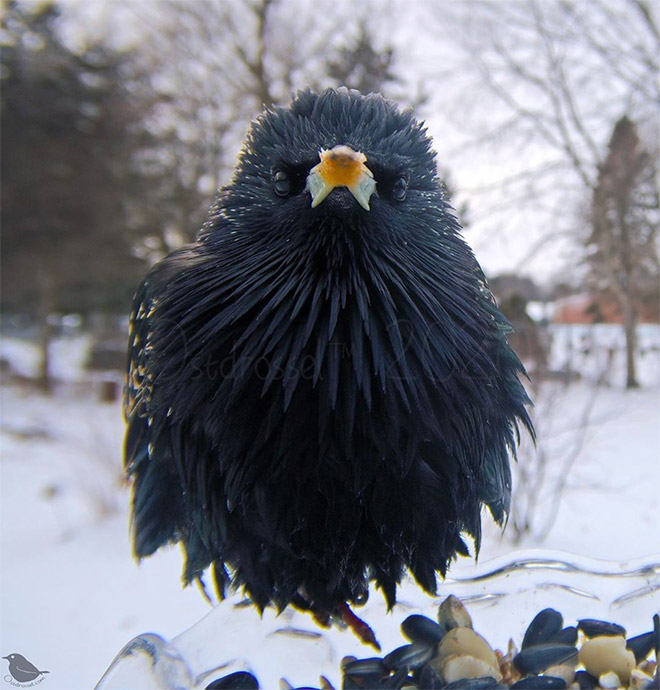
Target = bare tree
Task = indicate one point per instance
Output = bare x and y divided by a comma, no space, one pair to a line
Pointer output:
558,74
547,82
544,469
182,72
205,69
542,472
362,66
625,215
65,175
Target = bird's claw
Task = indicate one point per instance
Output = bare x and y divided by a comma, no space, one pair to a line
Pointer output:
342,612
359,627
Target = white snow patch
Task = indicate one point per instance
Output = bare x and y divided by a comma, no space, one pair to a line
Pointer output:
72,596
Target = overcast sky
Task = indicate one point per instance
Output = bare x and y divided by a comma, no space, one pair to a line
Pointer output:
532,238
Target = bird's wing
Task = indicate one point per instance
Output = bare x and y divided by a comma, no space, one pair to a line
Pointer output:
503,435
148,456
161,448
143,369
137,389
144,320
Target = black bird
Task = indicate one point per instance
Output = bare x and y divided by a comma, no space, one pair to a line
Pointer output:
21,669
320,390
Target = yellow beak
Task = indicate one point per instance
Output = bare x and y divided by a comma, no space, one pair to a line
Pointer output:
341,167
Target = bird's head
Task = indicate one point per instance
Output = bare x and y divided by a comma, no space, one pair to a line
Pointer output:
333,156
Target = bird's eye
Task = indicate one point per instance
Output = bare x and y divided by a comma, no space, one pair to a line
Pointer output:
281,183
399,189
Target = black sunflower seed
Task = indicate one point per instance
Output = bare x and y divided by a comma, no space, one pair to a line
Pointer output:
540,683
641,645
421,629
537,658
485,683
546,623
364,667
411,656
585,680
429,679
566,636
241,680
595,628
395,681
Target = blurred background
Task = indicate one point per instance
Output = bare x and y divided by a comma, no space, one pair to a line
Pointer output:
121,118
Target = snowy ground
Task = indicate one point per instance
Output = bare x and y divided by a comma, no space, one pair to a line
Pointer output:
72,596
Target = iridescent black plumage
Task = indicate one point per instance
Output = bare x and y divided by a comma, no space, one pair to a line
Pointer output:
320,397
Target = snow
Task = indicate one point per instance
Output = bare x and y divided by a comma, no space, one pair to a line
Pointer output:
72,596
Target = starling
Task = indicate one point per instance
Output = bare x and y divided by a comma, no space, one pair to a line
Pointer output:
320,392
